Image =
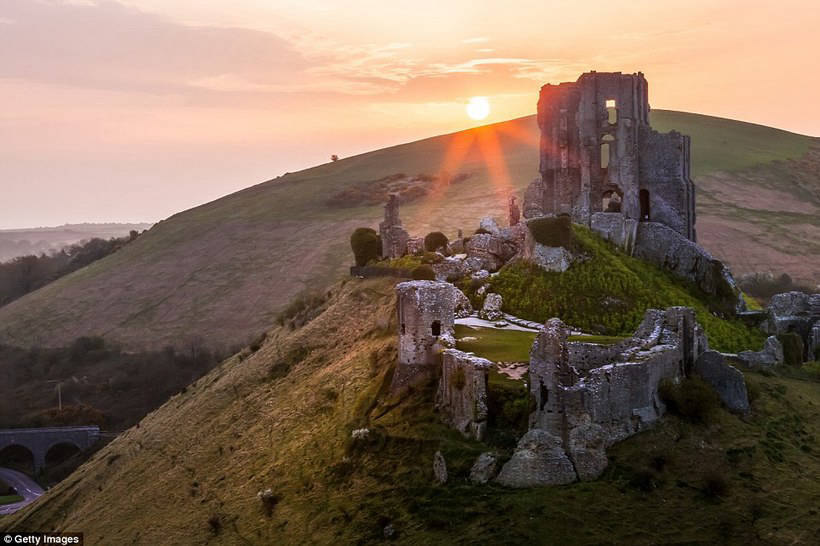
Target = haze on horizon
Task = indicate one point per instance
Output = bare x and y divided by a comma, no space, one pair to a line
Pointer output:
133,110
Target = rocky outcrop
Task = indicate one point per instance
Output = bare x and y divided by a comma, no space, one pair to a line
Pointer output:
484,468
587,449
463,307
489,225
492,251
770,356
539,459
461,398
492,307
727,380
665,247
450,269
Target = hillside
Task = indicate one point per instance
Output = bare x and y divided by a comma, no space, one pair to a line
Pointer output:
281,419
223,270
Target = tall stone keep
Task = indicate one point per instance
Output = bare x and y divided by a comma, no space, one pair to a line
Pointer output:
598,153
394,237
426,313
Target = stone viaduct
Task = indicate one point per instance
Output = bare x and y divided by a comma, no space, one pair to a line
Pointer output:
39,441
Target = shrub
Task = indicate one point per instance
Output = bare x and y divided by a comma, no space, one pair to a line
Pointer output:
424,273
551,231
715,485
215,524
431,258
434,241
792,348
691,399
366,245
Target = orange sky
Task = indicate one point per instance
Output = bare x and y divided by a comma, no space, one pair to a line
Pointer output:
136,109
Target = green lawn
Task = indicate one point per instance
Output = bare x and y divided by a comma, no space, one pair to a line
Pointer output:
496,345
10,499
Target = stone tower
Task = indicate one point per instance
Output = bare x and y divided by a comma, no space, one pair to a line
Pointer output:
426,312
598,153
394,237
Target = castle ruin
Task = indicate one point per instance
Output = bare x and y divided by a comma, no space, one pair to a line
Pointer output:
598,154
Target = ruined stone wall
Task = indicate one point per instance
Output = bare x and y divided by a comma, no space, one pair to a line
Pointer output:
461,397
664,175
426,311
614,387
394,237
596,141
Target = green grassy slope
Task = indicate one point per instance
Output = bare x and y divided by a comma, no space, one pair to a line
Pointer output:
222,270
281,419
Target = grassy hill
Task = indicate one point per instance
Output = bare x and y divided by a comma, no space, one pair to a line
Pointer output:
281,418
223,270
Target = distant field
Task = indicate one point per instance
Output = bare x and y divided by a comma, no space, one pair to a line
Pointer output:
223,270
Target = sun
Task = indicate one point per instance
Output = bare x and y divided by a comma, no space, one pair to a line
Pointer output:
478,108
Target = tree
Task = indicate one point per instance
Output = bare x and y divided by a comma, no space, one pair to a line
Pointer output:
434,241
366,245
334,157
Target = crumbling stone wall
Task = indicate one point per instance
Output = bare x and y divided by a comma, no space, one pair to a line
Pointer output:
394,237
596,142
426,311
461,397
593,396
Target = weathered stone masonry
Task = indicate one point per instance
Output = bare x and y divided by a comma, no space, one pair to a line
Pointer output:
598,149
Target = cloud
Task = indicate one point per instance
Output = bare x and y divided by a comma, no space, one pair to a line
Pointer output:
478,40
104,44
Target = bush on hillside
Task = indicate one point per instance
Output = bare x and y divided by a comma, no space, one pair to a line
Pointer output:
608,293
424,273
552,231
366,245
765,285
792,348
434,241
692,399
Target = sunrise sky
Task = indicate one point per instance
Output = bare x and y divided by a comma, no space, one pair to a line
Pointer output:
134,110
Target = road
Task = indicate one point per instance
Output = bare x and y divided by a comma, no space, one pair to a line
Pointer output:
25,486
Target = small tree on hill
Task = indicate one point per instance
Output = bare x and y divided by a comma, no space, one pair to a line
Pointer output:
434,241
334,157
366,245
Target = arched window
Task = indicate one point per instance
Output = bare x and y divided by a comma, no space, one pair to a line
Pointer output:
612,111
643,196
436,328
606,151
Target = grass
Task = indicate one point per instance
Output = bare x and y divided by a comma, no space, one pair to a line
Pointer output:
494,344
608,292
10,499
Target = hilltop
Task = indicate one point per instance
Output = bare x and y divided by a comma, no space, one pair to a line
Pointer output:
225,269
281,418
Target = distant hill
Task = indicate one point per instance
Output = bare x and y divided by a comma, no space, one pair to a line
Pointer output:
223,270
40,240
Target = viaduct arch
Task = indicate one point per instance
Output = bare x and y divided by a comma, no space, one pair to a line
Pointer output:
40,440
